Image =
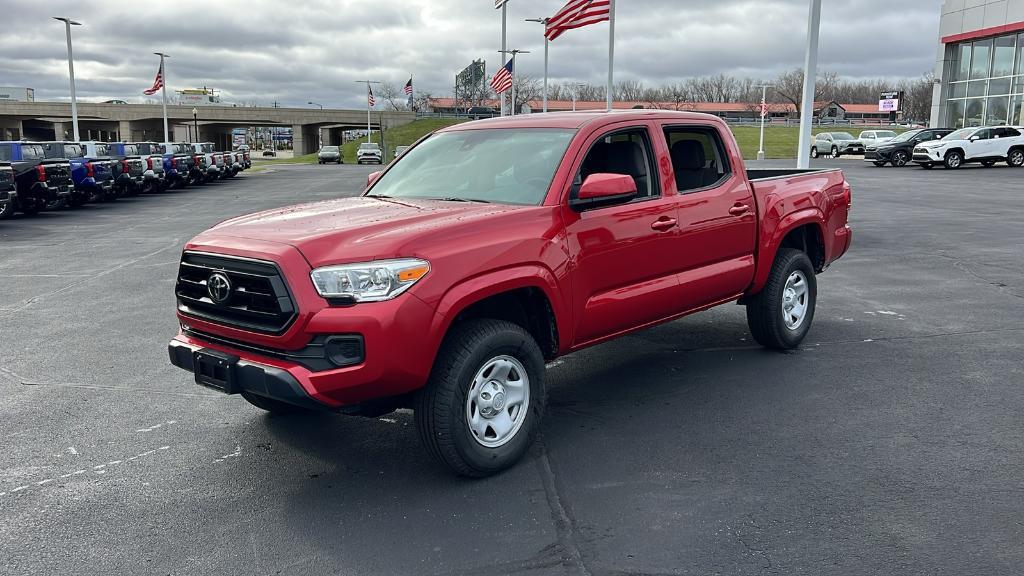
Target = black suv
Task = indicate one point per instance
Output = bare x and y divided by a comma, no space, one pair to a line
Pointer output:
900,149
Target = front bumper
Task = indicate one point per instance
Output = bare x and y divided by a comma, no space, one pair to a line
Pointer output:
927,155
249,376
851,149
8,195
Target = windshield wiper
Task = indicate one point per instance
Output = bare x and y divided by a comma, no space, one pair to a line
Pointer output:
376,196
454,199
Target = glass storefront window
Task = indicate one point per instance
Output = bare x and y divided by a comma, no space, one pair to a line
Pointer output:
958,90
1019,85
1017,111
996,111
975,114
999,86
981,61
961,67
956,113
977,88
1020,53
1002,59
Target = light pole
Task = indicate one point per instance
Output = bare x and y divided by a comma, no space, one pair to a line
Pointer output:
513,52
315,104
764,112
803,155
544,21
195,122
503,4
68,23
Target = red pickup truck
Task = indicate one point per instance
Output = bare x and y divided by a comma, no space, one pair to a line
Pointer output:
493,247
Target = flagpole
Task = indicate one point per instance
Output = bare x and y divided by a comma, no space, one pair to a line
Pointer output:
163,92
368,121
611,53
512,108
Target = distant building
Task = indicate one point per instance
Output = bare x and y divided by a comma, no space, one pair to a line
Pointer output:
17,94
979,70
736,110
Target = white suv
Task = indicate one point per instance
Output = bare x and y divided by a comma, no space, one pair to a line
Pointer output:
369,152
986,145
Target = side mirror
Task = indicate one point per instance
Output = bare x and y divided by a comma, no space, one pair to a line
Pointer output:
603,189
373,177
975,138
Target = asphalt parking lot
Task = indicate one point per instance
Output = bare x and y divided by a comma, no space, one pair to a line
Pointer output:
891,443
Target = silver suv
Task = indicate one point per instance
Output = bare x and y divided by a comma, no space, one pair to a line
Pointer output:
369,152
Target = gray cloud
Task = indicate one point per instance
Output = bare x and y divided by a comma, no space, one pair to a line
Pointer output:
293,52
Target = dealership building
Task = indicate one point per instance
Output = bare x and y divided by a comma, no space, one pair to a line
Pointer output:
980,67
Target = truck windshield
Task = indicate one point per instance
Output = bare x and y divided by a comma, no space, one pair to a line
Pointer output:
73,151
207,148
506,166
102,150
131,150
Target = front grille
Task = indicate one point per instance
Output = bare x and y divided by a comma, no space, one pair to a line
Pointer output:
258,296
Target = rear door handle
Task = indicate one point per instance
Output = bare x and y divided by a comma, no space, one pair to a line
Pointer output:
739,209
663,224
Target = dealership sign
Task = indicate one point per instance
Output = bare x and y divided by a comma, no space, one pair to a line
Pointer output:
890,102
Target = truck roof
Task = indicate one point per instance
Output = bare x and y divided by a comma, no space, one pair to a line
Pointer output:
580,119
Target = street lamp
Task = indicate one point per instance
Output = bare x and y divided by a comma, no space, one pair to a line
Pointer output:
195,122
68,23
315,104
544,21
764,112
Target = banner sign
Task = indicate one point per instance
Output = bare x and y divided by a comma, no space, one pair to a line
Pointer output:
890,102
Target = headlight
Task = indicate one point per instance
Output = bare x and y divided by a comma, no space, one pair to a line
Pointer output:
369,281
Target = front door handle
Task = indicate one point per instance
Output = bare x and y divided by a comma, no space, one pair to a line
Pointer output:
739,210
663,224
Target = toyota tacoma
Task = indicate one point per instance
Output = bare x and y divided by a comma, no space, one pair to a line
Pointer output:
487,250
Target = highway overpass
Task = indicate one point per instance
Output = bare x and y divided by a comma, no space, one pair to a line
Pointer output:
142,122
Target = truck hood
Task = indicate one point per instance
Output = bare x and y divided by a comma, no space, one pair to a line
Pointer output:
362,228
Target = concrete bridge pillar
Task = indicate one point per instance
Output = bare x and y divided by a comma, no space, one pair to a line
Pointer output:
124,131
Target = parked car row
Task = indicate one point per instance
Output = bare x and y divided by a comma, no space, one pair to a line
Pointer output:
836,144
928,147
36,176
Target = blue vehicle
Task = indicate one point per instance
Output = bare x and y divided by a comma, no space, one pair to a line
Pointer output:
92,177
38,181
8,195
128,167
178,164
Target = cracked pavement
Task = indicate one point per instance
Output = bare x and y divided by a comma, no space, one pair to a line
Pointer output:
890,443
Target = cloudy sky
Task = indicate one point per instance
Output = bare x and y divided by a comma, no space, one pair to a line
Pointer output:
302,50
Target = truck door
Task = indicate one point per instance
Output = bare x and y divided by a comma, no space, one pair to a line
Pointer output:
624,257
717,216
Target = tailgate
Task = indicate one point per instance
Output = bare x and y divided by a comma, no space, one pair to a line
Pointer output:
58,172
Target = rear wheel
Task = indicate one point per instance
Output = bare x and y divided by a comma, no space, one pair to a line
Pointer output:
780,315
954,159
271,405
1015,158
483,405
900,158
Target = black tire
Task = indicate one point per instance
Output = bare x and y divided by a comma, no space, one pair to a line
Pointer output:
275,407
441,407
814,151
900,158
954,159
31,208
1015,158
879,163
6,209
835,152
765,310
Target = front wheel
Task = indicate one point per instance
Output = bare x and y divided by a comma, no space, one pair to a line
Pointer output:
483,405
835,152
780,315
1015,158
954,160
900,159
814,152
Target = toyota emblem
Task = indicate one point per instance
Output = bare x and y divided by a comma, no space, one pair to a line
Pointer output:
218,286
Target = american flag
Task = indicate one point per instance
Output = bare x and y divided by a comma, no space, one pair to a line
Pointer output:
408,87
502,81
370,100
158,83
577,14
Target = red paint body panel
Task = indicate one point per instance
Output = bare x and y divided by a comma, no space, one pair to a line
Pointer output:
984,33
605,272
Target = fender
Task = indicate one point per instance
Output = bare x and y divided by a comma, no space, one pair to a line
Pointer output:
771,240
475,289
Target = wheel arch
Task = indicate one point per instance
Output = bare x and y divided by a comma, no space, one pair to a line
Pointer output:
805,231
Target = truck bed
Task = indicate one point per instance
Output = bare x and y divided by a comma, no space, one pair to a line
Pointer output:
782,172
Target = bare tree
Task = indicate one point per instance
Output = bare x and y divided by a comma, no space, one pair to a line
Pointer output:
395,98
629,90
790,87
527,88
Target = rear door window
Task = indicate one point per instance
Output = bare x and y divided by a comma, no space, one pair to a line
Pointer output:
626,152
698,157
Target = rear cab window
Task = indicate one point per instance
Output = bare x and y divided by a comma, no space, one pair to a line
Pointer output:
698,157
